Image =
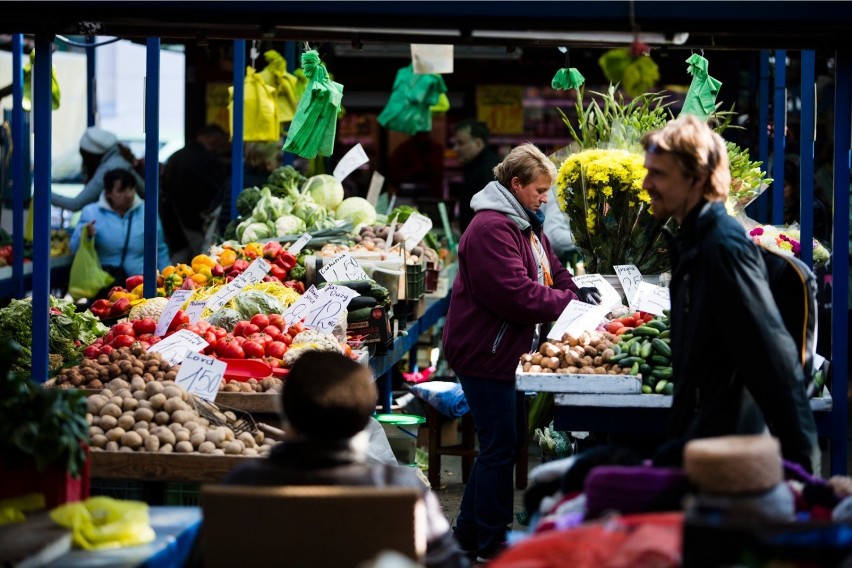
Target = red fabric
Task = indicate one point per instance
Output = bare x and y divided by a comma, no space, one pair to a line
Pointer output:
54,483
635,541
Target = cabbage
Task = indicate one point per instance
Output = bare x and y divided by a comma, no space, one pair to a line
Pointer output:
311,212
356,209
256,231
225,318
289,225
269,208
325,190
257,302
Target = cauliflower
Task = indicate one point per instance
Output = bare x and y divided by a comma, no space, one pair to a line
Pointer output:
151,308
310,340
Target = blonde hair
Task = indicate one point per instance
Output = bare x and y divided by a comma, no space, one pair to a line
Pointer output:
697,150
526,162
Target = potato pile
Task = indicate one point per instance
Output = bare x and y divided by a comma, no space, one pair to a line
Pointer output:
126,363
269,384
588,354
159,417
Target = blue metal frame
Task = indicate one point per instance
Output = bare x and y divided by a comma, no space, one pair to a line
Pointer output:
19,163
238,107
91,84
42,109
152,164
763,130
779,120
806,156
840,259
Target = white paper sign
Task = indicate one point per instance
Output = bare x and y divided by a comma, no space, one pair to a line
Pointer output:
175,302
300,243
391,231
327,309
576,318
630,278
195,309
175,347
251,275
429,58
343,267
610,298
376,183
651,299
354,159
414,229
201,375
300,307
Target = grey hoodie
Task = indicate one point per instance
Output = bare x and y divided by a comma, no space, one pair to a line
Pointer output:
495,197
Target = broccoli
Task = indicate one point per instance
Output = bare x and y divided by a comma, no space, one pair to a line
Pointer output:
230,233
247,199
285,181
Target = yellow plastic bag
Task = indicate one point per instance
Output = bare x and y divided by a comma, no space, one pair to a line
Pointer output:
275,74
103,522
260,113
28,226
87,277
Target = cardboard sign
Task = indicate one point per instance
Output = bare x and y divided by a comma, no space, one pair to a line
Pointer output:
610,298
630,278
429,58
351,161
201,375
251,275
343,267
651,299
175,302
326,310
300,243
576,318
376,183
195,309
175,347
414,229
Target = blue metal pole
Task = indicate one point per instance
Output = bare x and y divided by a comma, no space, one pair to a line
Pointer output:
42,107
290,55
763,130
806,157
152,163
237,130
91,85
840,260
19,163
779,120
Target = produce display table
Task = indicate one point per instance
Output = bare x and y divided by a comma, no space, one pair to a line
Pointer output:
60,269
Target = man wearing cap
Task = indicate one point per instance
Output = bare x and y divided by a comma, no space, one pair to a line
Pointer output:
101,153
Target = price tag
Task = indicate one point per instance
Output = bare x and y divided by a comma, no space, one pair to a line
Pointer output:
175,347
429,58
391,230
300,307
201,375
175,302
651,299
251,275
325,312
414,229
343,267
351,161
195,309
376,183
610,298
300,243
630,278
576,318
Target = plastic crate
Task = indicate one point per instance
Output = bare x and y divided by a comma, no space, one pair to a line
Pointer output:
118,489
415,281
182,494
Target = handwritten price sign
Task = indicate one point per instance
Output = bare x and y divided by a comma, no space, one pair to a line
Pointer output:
251,275
576,318
343,267
171,309
175,347
414,229
327,309
630,278
201,375
300,243
651,299
195,309
300,307
610,298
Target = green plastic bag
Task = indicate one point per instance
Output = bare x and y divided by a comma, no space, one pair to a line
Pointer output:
409,106
315,122
567,78
87,277
701,98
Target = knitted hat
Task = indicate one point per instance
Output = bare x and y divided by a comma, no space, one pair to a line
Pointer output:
97,141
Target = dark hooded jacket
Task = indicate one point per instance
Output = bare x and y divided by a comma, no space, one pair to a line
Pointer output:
497,299
736,367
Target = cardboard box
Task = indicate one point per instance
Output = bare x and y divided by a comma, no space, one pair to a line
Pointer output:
375,331
450,435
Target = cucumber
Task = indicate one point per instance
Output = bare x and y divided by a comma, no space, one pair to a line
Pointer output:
645,350
644,330
663,372
661,347
625,337
360,286
618,358
635,349
359,302
648,380
669,388
645,369
616,349
646,389
359,315
627,361
660,361
665,333
658,325
634,370
661,386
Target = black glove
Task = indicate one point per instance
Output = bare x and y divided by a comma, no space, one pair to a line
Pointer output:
589,295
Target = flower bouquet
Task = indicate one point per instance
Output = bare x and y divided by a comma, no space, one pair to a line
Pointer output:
786,240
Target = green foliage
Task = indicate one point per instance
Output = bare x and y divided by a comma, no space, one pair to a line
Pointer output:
247,199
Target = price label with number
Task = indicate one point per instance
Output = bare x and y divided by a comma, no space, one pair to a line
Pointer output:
630,278
201,375
175,302
343,267
175,347
300,243
651,299
251,275
325,312
576,318
414,229
195,309
610,298
300,307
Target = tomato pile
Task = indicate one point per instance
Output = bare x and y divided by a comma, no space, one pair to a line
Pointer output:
621,325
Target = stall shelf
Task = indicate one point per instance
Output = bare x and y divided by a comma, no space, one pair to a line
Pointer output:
60,267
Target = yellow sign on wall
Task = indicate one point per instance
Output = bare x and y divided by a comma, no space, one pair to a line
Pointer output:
501,107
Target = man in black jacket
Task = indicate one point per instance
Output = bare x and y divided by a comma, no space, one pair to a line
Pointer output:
478,161
736,367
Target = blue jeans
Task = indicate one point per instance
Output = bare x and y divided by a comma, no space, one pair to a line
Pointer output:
499,413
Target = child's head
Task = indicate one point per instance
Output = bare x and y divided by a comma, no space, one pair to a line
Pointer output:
328,396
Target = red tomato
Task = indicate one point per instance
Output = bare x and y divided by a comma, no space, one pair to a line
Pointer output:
276,349
285,338
272,331
210,337
239,329
92,352
647,317
123,341
107,349
614,326
180,319
260,320
296,329
145,337
253,349
273,362
123,329
203,326
277,320
240,339
144,326
250,329
229,348
261,338
622,330
219,331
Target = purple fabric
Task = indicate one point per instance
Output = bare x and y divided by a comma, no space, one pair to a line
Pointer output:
792,470
631,489
496,299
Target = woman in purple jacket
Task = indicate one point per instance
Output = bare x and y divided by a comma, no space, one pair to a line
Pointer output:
509,283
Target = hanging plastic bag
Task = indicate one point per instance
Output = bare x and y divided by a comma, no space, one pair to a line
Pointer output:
701,98
28,226
87,277
103,522
55,93
275,74
313,128
567,78
408,109
261,120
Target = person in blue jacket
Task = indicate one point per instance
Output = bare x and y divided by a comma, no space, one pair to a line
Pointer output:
117,222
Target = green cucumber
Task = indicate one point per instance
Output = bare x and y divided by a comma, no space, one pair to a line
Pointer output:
661,347
635,349
669,388
616,349
664,334
634,370
660,361
644,330
646,389
648,380
660,386
644,368
658,325
618,357
645,350
627,361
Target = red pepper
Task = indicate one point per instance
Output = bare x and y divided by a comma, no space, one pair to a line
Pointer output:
286,260
271,250
296,285
278,273
120,307
180,319
133,281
